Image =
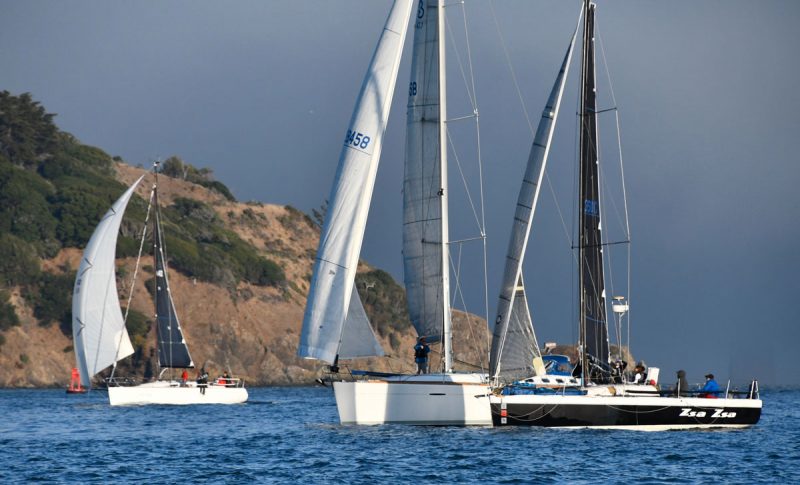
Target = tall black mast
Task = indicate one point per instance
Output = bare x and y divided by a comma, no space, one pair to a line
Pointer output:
593,326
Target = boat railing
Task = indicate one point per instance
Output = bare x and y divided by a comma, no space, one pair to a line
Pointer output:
728,393
228,382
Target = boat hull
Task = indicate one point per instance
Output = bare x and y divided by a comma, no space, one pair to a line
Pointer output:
172,393
645,413
433,399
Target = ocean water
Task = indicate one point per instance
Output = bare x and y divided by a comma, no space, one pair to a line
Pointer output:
291,435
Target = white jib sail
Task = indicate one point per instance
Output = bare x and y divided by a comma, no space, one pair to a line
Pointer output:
508,313
348,206
98,328
358,338
425,232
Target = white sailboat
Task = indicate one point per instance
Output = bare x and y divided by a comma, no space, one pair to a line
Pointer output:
98,325
334,314
594,394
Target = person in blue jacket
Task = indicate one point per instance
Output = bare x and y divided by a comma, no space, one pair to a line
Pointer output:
421,351
711,389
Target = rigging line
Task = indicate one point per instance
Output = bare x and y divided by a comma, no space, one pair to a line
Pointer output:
480,177
474,100
511,67
458,293
464,182
621,169
470,94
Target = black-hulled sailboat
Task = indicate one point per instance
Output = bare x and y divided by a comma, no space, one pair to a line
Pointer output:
98,325
532,389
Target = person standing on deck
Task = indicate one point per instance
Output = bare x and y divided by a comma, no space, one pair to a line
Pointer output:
421,351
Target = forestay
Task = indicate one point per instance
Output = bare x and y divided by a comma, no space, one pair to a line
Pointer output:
425,232
515,353
340,242
98,328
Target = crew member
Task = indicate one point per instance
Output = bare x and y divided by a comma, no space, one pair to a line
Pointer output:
421,351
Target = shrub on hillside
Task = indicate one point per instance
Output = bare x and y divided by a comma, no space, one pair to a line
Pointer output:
18,262
8,314
52,300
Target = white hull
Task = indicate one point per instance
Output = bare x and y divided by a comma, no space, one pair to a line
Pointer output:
432,399
170,392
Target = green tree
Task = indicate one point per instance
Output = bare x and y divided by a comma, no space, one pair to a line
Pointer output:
27,131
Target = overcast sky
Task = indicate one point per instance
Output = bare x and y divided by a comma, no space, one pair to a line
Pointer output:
261,92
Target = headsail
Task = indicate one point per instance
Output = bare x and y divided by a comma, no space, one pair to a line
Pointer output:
343,231
425,232
98,328
172,349
593,326
515,352
358,338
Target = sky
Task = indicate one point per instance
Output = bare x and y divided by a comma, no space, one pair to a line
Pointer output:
261,92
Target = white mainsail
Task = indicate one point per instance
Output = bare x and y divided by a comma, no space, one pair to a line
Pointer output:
98,328
515,352
342,234
425,231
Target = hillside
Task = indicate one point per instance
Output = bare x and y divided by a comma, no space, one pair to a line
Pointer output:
240,271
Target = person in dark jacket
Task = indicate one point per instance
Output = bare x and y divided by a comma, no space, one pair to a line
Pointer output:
683,386
421,351
711,389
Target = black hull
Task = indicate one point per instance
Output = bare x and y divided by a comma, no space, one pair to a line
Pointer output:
613,415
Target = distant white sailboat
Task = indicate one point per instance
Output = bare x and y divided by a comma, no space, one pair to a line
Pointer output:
98,325
335,326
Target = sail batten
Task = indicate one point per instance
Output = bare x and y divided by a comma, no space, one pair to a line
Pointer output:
343,231
514,346
98,327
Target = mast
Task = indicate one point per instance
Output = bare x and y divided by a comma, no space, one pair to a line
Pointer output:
593,326
447,324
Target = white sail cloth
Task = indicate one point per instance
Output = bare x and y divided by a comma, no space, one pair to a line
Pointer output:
425,235
342,234
98,328
515,353
358,338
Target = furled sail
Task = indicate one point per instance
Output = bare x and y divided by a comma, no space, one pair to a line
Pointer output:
515,352
98,328
425,233
340,242
358,338
594,329
172,349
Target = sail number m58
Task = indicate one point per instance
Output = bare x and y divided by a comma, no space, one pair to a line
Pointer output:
356,139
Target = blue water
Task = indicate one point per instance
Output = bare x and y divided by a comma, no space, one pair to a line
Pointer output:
290,435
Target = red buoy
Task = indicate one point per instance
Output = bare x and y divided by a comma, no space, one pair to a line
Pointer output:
75,383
